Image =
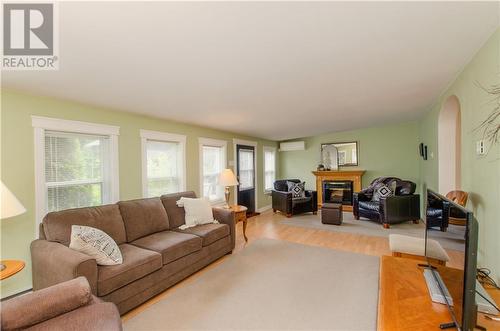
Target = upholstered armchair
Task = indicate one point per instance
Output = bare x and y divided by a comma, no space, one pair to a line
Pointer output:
65,306
403,206
438,211
284,201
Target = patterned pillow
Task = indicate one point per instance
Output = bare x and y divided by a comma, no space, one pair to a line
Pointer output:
96,243
382,191
297,189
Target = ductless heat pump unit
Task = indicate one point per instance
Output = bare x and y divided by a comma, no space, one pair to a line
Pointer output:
292,146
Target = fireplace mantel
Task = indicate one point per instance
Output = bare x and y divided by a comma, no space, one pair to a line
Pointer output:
353,175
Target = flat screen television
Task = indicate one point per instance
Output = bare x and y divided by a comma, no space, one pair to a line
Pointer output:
460,241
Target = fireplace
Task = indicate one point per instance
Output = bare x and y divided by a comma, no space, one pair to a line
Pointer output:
338,191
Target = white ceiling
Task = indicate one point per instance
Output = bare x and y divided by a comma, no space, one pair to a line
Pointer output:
275,70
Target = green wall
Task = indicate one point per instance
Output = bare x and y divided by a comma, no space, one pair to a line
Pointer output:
480,175
390,150
17,163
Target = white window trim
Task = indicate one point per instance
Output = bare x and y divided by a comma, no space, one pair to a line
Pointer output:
215,143
42,124
164,137
264,150
247,143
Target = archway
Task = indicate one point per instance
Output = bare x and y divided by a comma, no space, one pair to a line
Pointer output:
449,146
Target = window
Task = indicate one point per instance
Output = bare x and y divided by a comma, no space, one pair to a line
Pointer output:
269,168
77,167
75,170
163,163
212,162
246,169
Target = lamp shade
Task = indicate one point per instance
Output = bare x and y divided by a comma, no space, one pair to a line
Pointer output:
227,178
10,206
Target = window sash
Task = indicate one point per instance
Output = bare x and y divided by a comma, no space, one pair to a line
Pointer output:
169,173
212,162
269,169
79,178
246,169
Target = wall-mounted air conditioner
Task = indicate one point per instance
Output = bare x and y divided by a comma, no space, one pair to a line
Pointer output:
292,146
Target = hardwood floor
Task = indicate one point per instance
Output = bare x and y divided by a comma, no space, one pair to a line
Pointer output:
268,225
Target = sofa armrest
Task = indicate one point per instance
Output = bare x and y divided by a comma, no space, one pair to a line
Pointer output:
400,207
26,310
282,201
54,263
226,216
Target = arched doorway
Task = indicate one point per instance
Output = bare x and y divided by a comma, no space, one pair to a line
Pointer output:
449,146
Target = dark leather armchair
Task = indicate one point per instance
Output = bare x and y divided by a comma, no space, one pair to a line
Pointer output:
403,206
285,203
438,211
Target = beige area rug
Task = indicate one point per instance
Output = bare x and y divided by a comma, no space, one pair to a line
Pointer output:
452,239
273,285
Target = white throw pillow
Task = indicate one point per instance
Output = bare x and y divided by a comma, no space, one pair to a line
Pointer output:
198,211
96,243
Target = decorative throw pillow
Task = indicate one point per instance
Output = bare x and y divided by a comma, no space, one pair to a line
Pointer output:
96,243
198,211
297,189
382,191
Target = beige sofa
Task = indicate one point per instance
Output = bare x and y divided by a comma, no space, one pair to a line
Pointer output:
65,306
156,253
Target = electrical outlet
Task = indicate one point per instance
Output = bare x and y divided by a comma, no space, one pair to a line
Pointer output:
480,147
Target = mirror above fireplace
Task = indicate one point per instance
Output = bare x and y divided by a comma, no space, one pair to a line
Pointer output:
347,153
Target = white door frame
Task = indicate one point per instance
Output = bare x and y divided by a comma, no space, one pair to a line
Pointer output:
253,144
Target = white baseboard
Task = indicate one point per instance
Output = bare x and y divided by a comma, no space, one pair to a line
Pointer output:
265,208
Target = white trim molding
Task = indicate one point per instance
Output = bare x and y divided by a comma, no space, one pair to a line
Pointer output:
43,124
215,143
57,124
162,137
256,188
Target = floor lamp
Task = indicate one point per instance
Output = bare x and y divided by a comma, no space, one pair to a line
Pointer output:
9,207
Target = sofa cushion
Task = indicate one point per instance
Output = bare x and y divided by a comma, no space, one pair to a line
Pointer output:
137,263
369,205
107,218
175,213
143,217
210,233
170,244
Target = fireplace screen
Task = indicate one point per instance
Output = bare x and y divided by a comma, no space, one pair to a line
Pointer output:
338,191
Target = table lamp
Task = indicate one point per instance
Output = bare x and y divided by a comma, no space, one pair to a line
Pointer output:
9,207
227,179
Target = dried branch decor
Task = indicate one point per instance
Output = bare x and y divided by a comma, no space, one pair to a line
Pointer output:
491,125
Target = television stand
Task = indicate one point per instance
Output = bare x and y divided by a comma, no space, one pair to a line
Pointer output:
404,302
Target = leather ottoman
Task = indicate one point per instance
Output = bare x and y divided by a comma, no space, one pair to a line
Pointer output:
331,213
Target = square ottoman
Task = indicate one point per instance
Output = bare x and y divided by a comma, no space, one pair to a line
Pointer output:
331,213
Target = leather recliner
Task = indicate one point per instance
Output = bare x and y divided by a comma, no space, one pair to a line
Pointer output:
284,201
403,206
438,211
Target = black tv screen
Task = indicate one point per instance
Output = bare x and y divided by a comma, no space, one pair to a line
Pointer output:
457,233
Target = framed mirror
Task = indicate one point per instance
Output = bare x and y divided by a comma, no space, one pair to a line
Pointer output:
347,154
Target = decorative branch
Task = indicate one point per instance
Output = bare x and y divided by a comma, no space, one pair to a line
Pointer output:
491,125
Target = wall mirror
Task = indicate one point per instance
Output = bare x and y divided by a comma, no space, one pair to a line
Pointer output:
347,154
